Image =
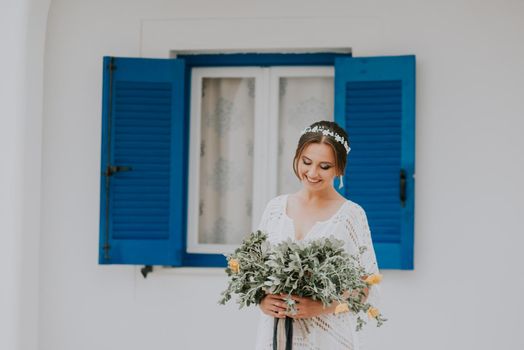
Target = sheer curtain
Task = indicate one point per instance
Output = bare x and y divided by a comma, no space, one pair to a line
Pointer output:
302,101
226,150
226,159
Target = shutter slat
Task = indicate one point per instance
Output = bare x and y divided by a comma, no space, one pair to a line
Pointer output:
146,124
377,131
137,199
131,116
158,162
133,123
374,108
156,150
144,108
373,105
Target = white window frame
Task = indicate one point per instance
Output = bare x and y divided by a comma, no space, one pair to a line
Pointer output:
265,153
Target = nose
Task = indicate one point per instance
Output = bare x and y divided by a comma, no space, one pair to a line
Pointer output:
312,173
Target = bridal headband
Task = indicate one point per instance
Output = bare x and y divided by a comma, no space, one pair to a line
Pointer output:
328,132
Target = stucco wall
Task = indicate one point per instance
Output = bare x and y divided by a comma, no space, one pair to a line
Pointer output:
468,231
22,37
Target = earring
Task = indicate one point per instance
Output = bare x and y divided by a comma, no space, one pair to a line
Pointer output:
341,183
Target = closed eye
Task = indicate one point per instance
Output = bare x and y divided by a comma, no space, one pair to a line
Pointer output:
323,167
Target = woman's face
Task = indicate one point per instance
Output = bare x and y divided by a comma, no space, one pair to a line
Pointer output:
316,166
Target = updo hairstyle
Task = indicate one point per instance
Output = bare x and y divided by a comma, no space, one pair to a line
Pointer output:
317,137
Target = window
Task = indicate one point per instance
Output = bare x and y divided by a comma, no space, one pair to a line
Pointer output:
194,147
242,123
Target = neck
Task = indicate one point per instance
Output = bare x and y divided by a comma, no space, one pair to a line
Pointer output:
307,195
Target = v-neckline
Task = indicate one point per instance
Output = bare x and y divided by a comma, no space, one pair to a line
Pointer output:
312,226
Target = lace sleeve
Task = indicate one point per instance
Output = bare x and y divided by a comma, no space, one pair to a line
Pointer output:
271,214
357,234
368,258
360,236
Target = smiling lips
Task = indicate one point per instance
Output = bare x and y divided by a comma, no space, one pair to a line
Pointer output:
310,181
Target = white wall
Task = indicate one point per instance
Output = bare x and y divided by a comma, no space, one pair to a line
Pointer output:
22,35
464,292
12,27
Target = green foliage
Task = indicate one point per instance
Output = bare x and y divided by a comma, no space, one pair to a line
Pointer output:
319,269
248,282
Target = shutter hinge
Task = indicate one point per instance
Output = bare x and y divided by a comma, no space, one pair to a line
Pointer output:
106,248
113,169
112,66
146,270
403,187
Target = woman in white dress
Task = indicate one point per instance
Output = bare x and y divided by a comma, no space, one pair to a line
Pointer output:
315,211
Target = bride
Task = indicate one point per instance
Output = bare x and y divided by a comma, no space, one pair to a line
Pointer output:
316,210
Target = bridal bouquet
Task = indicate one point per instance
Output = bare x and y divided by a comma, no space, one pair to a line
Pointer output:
248,270
319,269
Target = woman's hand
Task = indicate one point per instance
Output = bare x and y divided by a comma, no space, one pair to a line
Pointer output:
273,305
307,307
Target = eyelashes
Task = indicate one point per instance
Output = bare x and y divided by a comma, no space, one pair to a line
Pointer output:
325,167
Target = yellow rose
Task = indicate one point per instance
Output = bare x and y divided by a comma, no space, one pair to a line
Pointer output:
343,307
373,279
373,312
234,265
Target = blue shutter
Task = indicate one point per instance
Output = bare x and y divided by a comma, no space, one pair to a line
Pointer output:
375,103
144,162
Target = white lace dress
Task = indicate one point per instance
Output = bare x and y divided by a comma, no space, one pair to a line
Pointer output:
328,331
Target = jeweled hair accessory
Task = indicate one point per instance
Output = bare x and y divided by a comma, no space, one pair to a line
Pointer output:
328,132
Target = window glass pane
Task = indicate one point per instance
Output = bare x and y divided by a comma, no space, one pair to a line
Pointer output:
226,160
302,101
